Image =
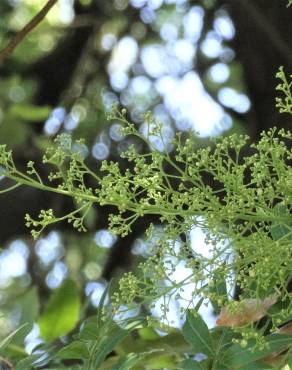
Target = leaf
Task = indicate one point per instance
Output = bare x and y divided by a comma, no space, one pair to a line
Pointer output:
278,231
148,334
222,338
74,350
239,358
30,306
286,329
249,310
197,334
89,331
62,312
28,112
13,133
190,365
165,361
127,362
274,360
107,345
37,361
26,363
219,288
257,366
9,338
103,300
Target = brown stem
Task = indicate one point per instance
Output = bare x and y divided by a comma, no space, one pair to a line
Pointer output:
4,53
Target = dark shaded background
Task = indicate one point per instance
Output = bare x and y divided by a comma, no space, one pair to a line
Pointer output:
76,69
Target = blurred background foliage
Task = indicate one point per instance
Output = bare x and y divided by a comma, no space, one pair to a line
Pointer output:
205,65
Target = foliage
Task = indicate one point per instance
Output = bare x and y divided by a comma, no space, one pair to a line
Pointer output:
247,221
236,192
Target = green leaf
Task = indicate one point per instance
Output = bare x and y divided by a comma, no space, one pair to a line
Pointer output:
191,365
258,366
197,334
74,350
107,344
239,358
148,334
10,337
62,312
28,112
30,306
13,133
102,302
219,288
127,362
27,363
89,331
278,231
165,361
222,338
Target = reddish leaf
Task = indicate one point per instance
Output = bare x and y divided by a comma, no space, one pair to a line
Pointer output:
286,329
249,310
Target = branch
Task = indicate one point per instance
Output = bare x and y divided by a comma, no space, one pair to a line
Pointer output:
4,53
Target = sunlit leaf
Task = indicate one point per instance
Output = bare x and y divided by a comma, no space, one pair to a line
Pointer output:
62,312
165,361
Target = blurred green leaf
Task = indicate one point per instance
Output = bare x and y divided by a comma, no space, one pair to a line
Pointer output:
191,365
258,366
163,361
30,306
9,338
13,133
44,355
197,334
62,312
148,334
27,363
29,112
74,350
127,362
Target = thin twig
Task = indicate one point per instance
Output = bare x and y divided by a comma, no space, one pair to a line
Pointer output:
4,53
